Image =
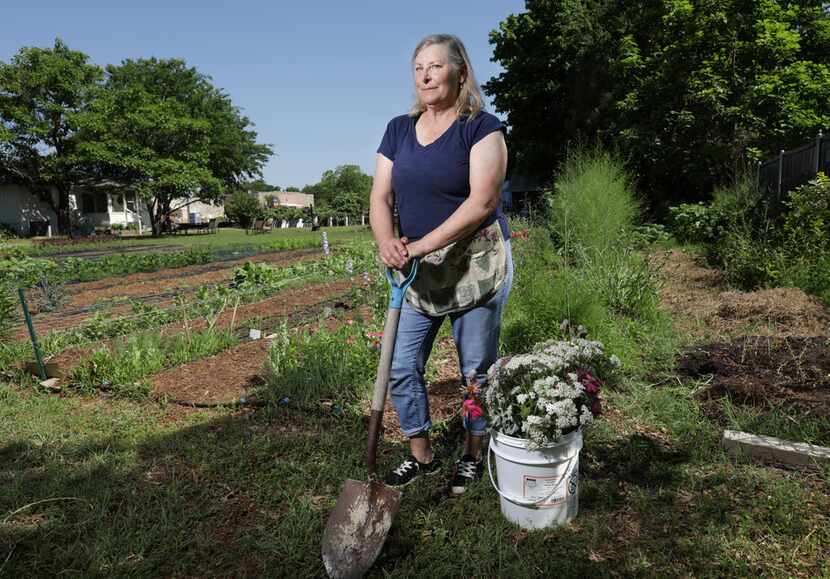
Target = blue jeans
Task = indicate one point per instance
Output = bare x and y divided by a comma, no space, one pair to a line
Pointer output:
476,334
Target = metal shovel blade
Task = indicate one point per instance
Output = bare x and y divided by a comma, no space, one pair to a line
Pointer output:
357,527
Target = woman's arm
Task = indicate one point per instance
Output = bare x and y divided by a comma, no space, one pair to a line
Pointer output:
392,250
488,164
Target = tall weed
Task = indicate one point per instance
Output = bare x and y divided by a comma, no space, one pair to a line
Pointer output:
593,210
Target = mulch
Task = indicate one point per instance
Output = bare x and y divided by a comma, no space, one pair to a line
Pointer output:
768,348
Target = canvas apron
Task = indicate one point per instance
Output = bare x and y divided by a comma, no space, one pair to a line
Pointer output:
460,276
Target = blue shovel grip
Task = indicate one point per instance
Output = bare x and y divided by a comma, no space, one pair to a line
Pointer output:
399,289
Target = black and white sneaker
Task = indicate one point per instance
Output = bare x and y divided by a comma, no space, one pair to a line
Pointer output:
467,471
410,470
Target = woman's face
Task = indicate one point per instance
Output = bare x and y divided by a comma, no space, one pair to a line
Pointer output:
435,80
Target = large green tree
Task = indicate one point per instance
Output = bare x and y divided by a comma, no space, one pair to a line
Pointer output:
43,93
686,89
161,129
344,191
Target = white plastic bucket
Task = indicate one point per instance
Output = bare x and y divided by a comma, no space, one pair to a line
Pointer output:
537,488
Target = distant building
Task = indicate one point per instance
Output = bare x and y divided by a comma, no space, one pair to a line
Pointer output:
273,199
197,211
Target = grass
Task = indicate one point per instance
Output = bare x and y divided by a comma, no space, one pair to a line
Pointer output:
225,238
223,493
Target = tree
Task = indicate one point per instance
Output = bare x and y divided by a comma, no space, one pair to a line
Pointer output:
163,130
686,89
292,188
343,191
43,92
259,185
243,208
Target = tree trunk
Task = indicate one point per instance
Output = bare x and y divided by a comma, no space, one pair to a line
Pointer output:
63,211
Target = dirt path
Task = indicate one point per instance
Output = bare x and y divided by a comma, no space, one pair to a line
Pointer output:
702,305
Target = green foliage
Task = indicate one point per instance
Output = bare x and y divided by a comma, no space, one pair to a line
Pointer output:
807,221
685,88
243,208
694,222
43,94
584,270
593,209
343,191
313,365
122,369
79,269
757,247
545,292
163,130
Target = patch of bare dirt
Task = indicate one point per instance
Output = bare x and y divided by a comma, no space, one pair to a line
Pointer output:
223,378
767,348
766,372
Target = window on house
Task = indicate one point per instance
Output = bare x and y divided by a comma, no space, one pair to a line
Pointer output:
94,203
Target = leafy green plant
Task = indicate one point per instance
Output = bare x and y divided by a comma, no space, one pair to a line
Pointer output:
311,365
695,222
121,369
593,208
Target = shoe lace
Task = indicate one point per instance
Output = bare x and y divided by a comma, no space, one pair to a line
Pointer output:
405,466
467,468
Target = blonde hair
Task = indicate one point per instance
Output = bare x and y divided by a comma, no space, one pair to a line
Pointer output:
469,102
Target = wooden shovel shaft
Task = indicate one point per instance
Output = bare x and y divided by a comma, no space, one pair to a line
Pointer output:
387,349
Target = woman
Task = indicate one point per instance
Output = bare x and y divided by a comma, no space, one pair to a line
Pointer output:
445,162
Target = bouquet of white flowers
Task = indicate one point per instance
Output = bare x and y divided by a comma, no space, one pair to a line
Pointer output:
548,393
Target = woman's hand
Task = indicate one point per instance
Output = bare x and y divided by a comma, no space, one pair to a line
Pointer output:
393,252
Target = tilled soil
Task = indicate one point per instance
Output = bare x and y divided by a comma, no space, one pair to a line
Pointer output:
281,305
767,348
766,372
159,288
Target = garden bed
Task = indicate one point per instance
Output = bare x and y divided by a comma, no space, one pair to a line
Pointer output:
769,373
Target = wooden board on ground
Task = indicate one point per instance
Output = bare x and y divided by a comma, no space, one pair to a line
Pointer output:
776,450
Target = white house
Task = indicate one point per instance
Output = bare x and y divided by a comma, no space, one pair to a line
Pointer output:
23,212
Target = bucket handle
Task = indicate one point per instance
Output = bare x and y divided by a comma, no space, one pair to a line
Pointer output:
523,502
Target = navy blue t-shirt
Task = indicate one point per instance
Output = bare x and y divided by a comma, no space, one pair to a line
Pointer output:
431,182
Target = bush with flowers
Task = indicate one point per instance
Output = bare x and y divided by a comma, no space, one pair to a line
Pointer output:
548,393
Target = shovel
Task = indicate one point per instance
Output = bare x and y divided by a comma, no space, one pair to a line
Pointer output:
357,527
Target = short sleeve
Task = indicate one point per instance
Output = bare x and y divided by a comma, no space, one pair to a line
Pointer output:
389,144
480,126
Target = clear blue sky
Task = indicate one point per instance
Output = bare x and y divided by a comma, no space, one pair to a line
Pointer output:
318,79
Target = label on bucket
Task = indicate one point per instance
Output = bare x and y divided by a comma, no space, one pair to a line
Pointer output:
546,491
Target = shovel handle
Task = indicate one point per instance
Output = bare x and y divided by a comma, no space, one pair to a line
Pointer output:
387,349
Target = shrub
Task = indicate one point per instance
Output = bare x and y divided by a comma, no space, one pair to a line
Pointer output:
806,227
695,223
593,209
243,208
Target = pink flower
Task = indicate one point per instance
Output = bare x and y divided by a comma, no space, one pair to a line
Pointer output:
589,381
471,410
